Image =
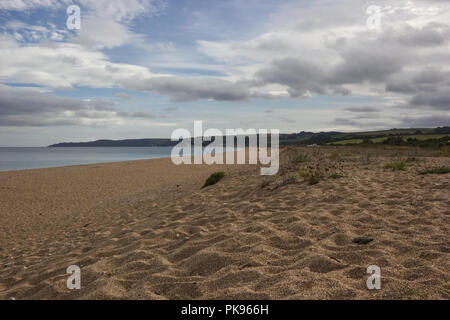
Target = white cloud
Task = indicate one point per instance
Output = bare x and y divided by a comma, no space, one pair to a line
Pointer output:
31,4
102,32
25,33
62,65
117,9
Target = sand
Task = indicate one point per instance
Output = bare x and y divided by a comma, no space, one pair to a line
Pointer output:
146,230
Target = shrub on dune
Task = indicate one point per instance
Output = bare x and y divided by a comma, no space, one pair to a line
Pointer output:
396,165
214,178
441,170
302,157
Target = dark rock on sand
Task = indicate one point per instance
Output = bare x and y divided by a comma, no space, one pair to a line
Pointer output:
362,240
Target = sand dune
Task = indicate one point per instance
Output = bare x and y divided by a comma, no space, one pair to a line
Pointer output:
145,230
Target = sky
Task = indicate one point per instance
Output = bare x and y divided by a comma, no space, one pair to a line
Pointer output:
143,68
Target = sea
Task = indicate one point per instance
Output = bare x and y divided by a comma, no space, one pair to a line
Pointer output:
15,158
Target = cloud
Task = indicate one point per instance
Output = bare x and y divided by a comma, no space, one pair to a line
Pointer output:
18,101
366,62
20,5
360,60
104,23
299,76
26,33
30,107
103,32
117,9
145,115
357,124
181,89
124,9
439,100
362,109
287,120
390,119
427,79
426,121
170,109
63,65
430,35
338,54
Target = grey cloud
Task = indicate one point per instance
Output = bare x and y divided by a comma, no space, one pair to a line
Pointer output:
426,80
169,109
355,122
359,64
345,122
385,58
26,121
364,59
426,122
14,101
145,115
29,107
400,87
299,76
342,91
182,89
370,115
294,73
432,34
287,120
368,62
431,76
436,100
100,104
437,120
362,109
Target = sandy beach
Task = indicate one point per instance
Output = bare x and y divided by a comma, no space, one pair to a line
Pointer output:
146,230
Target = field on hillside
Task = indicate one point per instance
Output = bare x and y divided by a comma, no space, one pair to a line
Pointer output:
419,137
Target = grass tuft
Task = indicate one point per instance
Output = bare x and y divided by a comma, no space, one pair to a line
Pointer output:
214,178
439,170
302,158
396,165
264,184
334,156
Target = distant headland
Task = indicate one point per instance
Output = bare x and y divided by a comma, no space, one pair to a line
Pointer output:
391,136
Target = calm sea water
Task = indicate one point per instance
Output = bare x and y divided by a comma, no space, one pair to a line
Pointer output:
32,158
